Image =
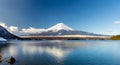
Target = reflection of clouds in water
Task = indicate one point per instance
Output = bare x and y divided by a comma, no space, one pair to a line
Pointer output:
56,48
63,53
54,51
29,49
11,51
57,52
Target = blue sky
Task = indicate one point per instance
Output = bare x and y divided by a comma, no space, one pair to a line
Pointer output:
97,16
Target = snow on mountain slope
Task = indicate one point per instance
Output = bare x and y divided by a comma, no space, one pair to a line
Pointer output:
59,26
62,29
2,39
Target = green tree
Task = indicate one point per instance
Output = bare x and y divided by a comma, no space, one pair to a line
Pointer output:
116,37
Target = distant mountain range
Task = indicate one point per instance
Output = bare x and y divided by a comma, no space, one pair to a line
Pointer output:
56,30
62,29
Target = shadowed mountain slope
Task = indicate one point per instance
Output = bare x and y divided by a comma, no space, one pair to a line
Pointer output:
6,34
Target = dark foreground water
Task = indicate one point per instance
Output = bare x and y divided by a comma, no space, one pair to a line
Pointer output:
61,52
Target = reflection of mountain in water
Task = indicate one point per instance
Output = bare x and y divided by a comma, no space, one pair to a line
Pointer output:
41,52
58,49
3,46
62,52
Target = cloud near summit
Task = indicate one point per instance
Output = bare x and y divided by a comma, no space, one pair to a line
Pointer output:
32,30
15,29
12,29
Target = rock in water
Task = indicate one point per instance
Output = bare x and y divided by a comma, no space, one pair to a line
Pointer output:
0,58
11,60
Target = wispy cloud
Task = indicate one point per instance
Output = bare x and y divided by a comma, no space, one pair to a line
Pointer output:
12,29
15,29
117,22
32,30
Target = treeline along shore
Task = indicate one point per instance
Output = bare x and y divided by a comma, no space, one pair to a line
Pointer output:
115,37
64,37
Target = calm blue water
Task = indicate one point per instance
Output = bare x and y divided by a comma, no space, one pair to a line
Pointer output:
58,52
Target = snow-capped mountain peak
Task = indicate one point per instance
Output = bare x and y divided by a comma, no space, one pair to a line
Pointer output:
60,26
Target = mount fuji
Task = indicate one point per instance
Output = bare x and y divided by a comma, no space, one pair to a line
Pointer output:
60,26
62,29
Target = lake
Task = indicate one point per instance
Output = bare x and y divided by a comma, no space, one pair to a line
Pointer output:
57,52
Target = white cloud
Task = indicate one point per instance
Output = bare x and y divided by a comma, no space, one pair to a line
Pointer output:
11,29
4,25
14,29
32,30
117,22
